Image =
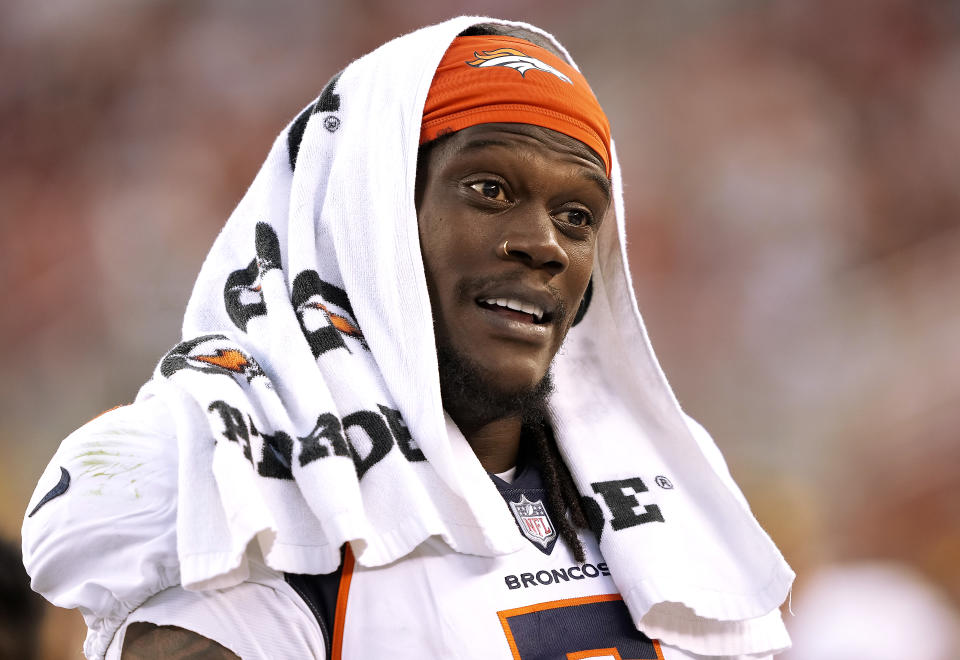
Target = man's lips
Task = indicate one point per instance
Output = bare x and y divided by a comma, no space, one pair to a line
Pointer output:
515,308
514,300
504,323
512,315
519,312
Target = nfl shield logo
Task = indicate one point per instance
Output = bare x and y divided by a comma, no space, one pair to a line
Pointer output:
533,521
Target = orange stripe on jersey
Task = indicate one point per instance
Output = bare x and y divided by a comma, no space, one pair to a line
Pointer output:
514,651
595,653
553,604
656,645
602,653
340,614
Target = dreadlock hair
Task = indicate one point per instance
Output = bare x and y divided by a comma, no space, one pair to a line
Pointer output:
562,494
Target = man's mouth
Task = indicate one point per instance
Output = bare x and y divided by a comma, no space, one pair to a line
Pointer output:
521,310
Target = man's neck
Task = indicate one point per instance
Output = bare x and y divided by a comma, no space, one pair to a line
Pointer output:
495,443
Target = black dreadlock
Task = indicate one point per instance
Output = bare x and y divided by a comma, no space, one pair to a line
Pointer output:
562,495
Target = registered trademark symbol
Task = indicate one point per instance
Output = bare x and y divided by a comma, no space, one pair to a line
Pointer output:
331,123
663,482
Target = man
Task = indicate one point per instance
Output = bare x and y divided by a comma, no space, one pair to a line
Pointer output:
371,443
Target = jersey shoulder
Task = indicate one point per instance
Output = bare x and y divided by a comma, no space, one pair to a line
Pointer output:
100,530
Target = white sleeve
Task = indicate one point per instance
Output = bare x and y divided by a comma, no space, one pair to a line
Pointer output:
100,531
254,620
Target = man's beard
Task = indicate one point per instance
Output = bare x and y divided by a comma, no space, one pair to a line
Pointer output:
471,393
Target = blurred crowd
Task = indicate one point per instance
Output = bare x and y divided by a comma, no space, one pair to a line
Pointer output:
792,182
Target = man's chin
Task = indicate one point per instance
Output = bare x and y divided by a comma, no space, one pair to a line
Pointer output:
478,396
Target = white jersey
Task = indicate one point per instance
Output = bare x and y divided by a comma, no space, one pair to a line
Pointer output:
302,412
434,603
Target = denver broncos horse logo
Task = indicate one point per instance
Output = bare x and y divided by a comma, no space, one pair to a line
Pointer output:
514,59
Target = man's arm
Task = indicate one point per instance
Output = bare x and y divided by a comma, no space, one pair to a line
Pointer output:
147,641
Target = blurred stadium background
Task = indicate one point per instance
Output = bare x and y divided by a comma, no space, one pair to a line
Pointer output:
792,174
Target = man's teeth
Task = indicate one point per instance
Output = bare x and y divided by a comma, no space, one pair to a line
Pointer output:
517,306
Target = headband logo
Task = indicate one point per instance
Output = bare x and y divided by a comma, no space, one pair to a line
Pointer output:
514,59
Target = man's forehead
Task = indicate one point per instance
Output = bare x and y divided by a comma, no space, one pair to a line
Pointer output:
511,134
516,137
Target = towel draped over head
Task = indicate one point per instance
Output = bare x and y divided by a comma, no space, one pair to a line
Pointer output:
306,394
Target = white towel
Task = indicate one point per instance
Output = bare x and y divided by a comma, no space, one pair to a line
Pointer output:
309,359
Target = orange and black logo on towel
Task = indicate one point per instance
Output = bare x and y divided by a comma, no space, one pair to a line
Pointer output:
242,292
325,314
212,354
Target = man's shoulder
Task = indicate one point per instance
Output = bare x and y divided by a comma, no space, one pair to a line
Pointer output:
126,453
100,529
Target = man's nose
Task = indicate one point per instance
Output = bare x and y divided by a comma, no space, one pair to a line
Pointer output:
532,239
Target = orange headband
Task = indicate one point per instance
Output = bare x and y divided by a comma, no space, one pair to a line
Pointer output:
487,79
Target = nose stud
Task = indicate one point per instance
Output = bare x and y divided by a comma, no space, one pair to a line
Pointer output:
506,251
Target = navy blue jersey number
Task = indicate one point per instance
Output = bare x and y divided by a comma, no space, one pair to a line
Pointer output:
577,629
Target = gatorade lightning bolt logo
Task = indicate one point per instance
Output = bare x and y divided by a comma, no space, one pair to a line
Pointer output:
514,59
242,293
230,359
325,314
212,354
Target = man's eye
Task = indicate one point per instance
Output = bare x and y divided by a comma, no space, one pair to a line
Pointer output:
490,189
576,217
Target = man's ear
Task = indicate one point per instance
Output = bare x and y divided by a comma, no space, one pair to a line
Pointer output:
584,303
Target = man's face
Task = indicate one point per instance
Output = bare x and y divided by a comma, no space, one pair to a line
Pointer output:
505,313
